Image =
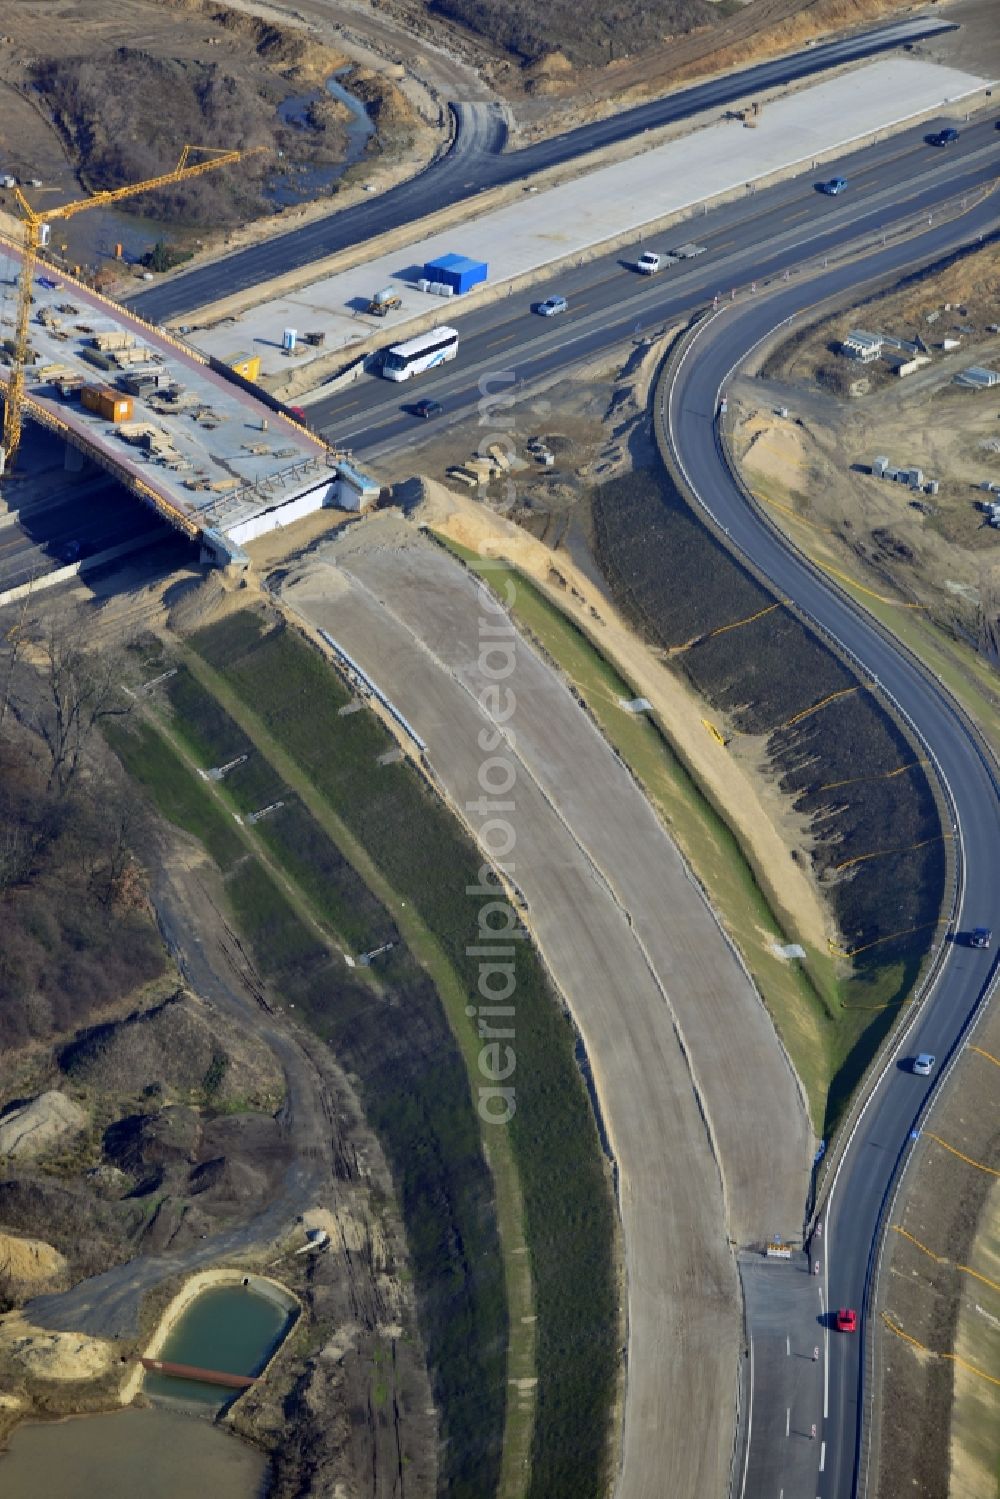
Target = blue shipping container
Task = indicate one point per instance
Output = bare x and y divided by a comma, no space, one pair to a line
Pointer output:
456,271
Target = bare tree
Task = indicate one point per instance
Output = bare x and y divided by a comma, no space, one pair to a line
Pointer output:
14,639
84,689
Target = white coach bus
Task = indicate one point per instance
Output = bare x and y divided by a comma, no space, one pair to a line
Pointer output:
419,354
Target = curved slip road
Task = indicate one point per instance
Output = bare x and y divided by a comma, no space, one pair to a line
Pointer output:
704,1115
830,1392
477,161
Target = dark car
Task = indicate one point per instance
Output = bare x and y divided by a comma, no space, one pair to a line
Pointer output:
943,137
69,551
426,409
981,937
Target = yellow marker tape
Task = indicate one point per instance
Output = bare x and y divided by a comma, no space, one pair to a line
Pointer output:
831,698
714,732
790,510
881,853
890,937
938,1258
951,1357
987,1054
853,583
739,623
966,1158
885,775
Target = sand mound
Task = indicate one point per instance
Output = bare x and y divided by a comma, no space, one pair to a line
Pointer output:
53,1355
29,1260
200,601
34,1127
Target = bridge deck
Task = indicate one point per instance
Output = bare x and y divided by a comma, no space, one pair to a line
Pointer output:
205,453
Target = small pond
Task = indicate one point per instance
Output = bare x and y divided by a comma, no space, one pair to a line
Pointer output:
231,1328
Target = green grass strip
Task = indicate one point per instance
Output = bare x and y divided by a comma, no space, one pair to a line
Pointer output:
519,1415
416,1094
428,861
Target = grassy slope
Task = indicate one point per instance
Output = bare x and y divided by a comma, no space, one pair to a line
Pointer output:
314,845
427,860
414,1087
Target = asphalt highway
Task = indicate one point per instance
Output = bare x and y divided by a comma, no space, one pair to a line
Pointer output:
852,1212
90,515
758,240
477,161
749,240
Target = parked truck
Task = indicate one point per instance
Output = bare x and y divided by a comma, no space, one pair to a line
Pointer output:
386,300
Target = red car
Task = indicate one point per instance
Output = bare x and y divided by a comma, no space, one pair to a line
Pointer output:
847,1320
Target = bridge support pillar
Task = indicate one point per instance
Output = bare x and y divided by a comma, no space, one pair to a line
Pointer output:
73,459
218,551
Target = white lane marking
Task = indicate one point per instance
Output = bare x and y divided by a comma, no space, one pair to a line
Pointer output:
746,1455
788,1419
826,1356
822,1456
788,1347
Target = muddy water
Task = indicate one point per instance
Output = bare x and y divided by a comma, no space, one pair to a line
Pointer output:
91,237
310,182
158,1454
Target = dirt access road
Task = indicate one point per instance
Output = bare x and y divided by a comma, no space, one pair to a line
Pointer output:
704,1116
215,966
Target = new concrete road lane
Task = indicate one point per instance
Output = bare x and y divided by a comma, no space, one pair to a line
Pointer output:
477,161
878,1146
750,240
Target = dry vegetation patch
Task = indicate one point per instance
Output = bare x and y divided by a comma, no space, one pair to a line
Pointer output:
111,94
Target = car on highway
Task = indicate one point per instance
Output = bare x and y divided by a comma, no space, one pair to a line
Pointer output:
846,1320
552,305
69,551
649,263
834,187
47,282
426,409
943,137
981,936
923,1064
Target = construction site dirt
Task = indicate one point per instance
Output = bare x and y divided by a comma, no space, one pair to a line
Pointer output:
85,103
272,1141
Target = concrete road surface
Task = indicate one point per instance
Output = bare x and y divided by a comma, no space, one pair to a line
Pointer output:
704,1115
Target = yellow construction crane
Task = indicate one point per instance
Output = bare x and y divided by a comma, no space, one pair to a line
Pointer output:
37,228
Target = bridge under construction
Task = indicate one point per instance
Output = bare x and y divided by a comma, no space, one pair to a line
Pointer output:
185,434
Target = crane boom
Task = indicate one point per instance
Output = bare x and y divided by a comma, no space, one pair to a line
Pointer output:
34,237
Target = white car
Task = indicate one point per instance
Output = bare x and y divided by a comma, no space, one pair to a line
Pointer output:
648,263
923,1065
552,305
